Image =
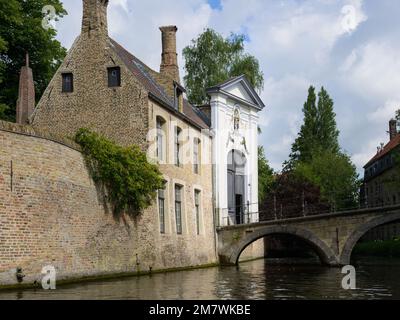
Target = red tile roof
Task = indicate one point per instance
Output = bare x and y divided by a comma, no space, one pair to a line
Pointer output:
143,73
394,143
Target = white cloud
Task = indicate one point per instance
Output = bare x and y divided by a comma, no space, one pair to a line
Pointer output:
375,70
119,3
352,16
384,113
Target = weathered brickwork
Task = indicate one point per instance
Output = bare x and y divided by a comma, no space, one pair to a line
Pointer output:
51,213
119,113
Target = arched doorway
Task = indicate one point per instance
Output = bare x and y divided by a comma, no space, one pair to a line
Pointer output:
236,166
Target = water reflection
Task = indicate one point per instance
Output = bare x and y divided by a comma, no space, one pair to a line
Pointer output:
251,280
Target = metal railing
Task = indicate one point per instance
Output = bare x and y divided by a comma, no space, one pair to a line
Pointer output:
294,207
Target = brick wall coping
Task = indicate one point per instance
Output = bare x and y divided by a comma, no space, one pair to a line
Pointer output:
27,130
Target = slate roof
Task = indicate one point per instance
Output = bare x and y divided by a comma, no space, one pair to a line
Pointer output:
144,74
394,143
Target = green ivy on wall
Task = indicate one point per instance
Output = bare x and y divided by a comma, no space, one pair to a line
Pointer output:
130,182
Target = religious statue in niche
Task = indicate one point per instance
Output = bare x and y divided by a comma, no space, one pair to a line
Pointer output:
236,120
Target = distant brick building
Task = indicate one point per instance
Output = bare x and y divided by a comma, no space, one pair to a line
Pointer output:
380,186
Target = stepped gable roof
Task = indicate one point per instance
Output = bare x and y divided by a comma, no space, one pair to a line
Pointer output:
391,145
144,74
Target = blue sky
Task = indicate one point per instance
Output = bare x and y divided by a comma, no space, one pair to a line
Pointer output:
215,4
350,47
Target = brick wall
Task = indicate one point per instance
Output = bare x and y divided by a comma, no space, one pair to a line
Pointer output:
119,113
54,215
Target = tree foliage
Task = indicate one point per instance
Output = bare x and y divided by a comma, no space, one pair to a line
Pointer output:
292,196
211,59
265,175
318,132
307,137
335,175
21,31
327,132
317,158
128,179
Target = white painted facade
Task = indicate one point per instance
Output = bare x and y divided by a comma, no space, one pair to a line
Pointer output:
234,122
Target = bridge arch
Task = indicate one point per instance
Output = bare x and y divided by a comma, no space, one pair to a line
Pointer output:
326,255
362,230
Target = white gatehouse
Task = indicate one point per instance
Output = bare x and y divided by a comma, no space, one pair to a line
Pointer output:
234,120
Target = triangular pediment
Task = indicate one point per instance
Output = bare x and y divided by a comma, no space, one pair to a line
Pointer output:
239,88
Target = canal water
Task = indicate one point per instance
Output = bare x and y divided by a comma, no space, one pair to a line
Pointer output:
250,280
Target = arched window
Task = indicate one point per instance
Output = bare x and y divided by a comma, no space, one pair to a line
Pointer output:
161,140
177,137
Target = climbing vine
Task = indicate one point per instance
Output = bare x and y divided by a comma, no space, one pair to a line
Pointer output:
128,180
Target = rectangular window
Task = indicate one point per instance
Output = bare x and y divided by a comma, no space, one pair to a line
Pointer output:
67,82
161,209
196,155
114,77
178,208
197,209
177,147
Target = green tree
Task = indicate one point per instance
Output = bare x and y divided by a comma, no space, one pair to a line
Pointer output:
21,31
211,59
335,175
125,176
318,132
304,144
265,175
327,133
316,155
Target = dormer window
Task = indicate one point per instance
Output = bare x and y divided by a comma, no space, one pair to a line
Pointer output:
114,77
67,82
178,96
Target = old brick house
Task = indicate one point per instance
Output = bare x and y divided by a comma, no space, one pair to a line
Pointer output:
102,86
380,187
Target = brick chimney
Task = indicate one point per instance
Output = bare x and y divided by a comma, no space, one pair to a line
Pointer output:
392,128
94,20
169,57
26,94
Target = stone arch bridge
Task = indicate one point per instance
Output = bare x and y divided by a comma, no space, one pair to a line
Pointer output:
332,236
